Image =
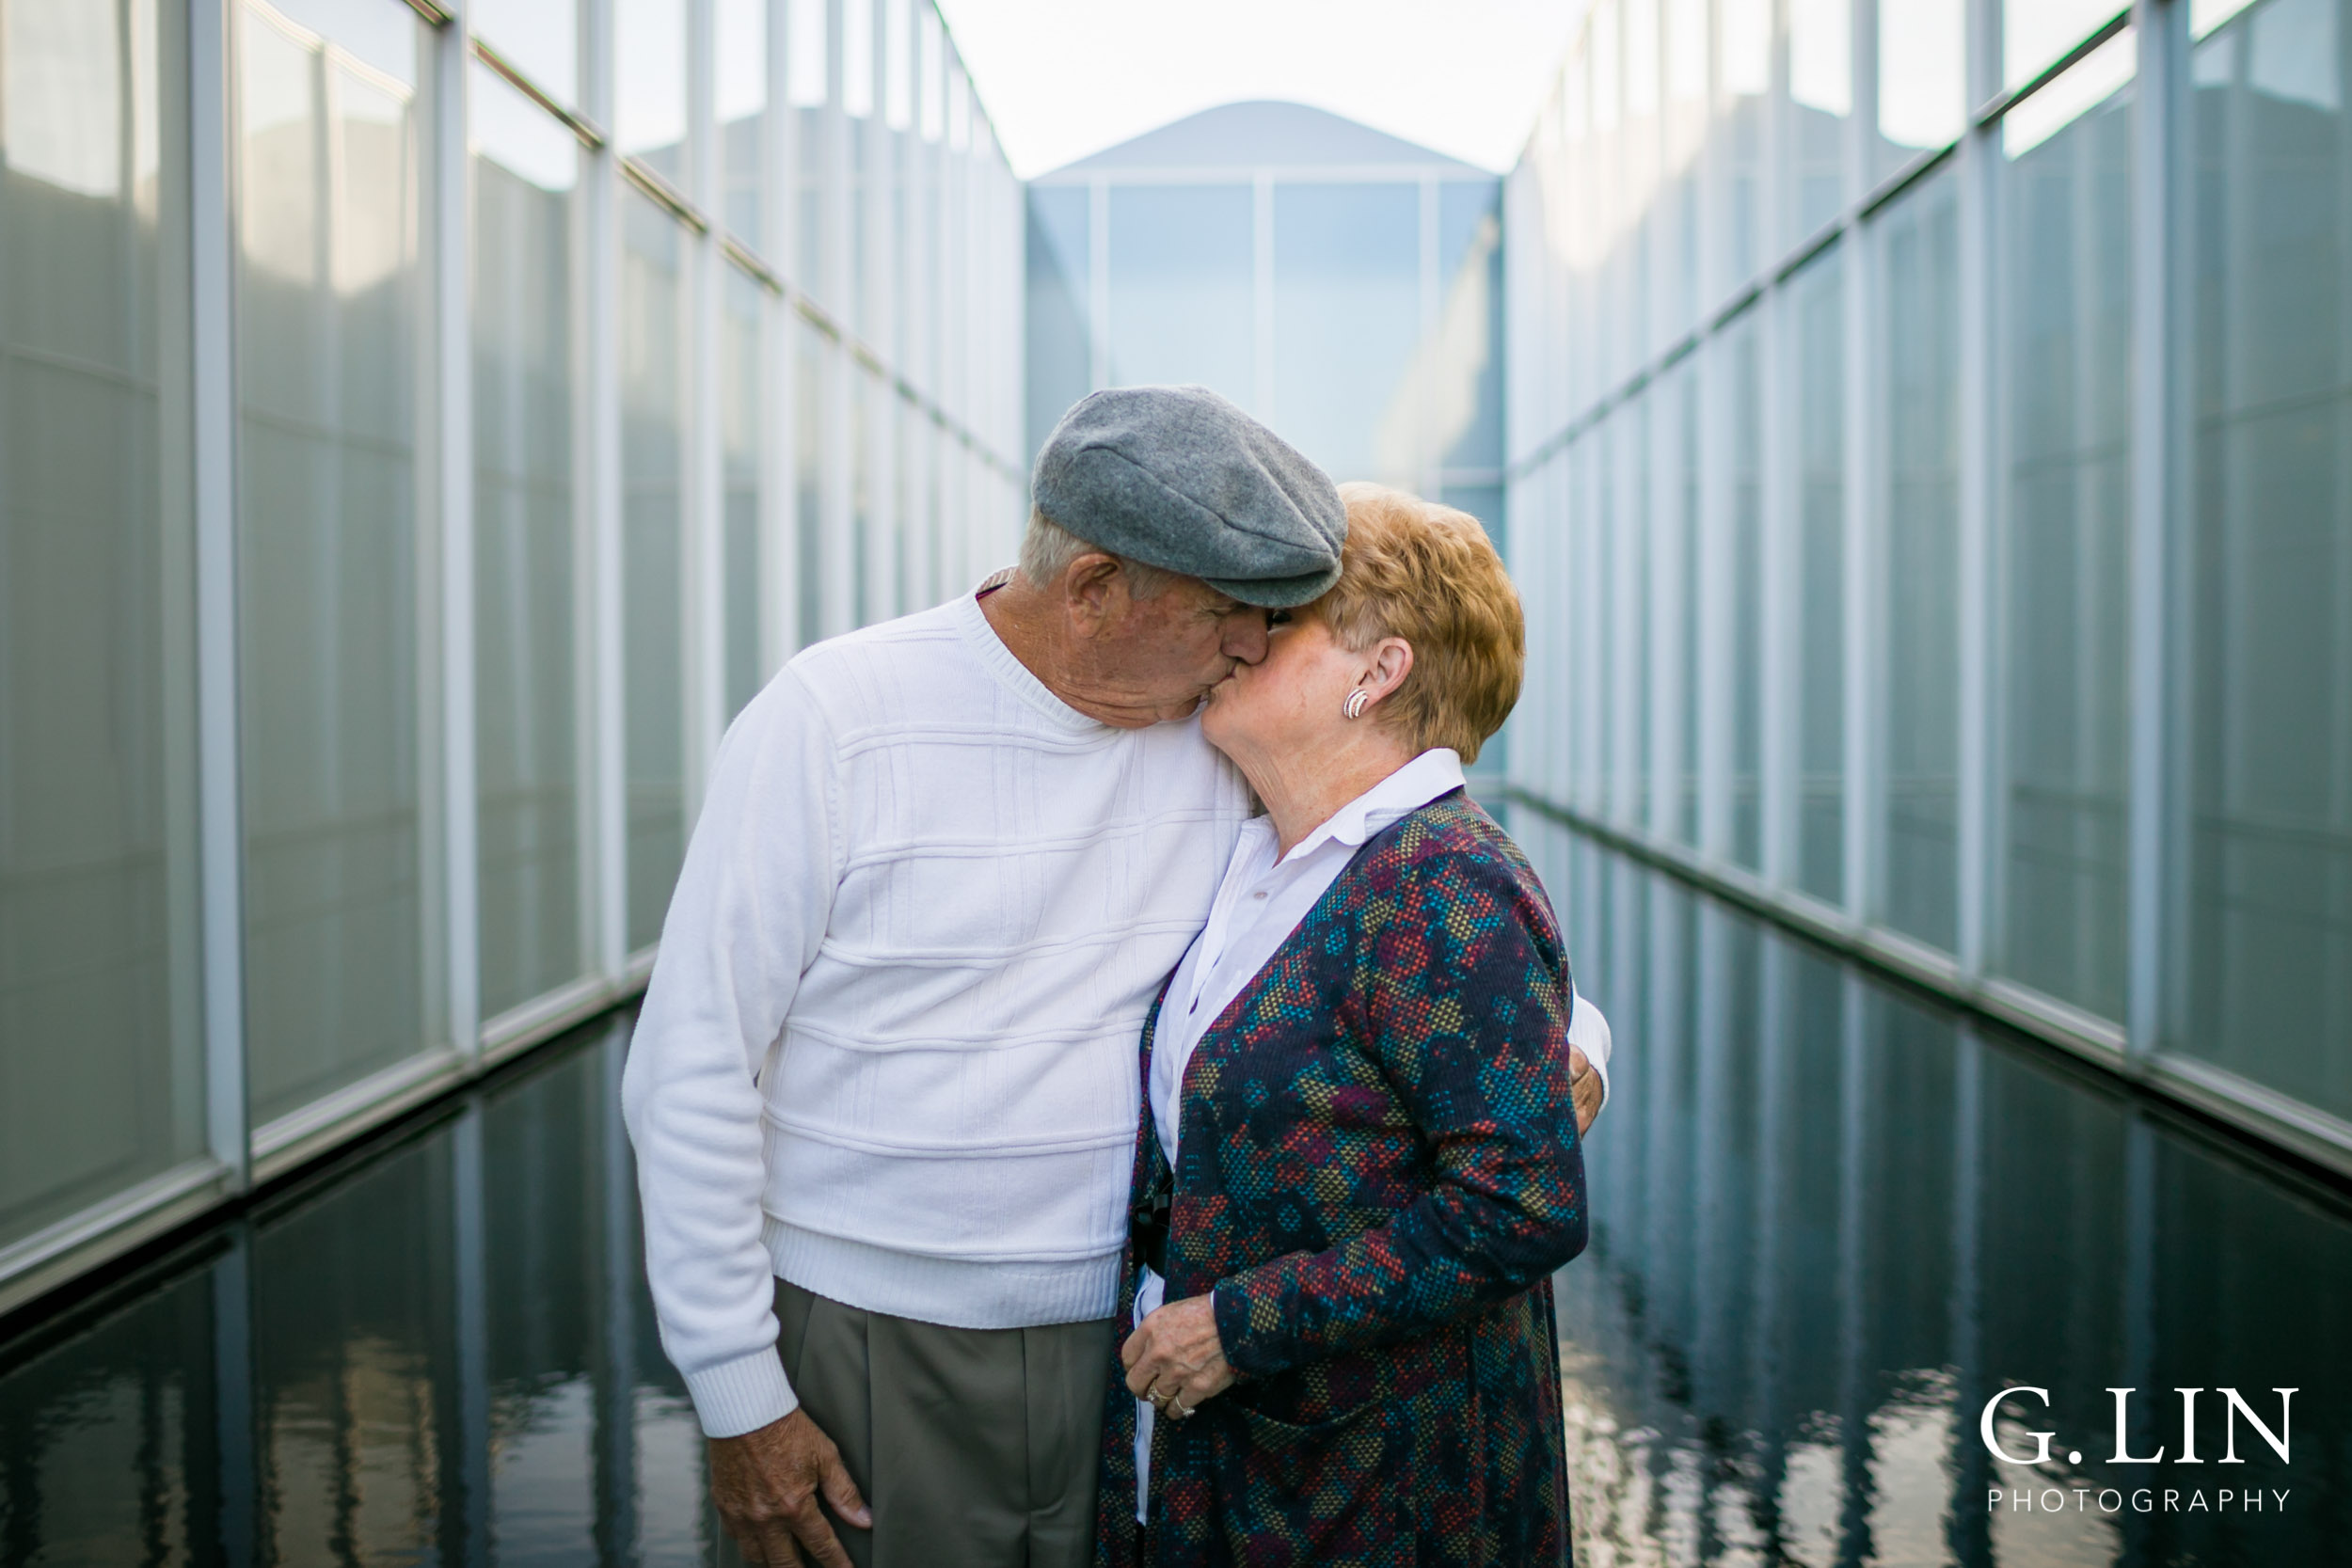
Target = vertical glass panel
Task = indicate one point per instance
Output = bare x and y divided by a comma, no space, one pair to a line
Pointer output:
857,57
540,37
1923,86
650,66
1463,362
331,664
1921,717
809,458
2067,216
2034,36
1683,401
1681,184
1743,394
742,417
1820,96
2267,939
1061,339
1630,590
741,94
1744,61
897,63
1818,301
654,329
931,89
101,1083
805,64
1182,304
526,730
1346,314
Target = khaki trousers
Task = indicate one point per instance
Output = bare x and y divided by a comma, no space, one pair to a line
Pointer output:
975,1448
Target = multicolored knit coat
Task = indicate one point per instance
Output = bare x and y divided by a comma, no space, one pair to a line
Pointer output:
1380,1174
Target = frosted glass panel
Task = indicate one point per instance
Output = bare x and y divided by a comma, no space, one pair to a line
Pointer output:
650,60
653,330
1182,304
1346,314
2267,931
100,1083
1923,87
527,724
2068,354
741,418
1921,716
1741,391
1818,303
1820,96
331,666
741,93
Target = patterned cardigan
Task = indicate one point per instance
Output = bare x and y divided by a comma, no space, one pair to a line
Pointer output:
1380,1172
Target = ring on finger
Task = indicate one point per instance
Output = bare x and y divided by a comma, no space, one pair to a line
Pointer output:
1177,1408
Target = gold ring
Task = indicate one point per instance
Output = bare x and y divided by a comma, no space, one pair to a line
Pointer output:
1177,1407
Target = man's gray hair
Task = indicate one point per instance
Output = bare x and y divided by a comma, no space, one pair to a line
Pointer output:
1048,548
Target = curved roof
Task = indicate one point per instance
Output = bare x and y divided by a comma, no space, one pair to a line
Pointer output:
1253,134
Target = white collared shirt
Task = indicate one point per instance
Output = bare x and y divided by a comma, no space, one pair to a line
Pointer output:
1264,897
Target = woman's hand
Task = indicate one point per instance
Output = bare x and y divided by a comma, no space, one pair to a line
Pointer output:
1175,1359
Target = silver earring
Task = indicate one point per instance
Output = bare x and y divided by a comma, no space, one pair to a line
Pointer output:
1356,700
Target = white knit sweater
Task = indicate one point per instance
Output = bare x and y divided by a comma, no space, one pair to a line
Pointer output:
889,1048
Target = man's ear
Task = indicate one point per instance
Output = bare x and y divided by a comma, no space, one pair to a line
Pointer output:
1090,587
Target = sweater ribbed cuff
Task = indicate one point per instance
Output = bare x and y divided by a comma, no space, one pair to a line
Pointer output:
742,1395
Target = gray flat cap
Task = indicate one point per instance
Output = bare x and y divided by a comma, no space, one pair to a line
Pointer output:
1179,478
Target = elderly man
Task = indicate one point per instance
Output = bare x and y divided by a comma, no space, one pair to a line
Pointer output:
883,1090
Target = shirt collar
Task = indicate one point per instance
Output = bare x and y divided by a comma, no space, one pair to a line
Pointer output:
1410,787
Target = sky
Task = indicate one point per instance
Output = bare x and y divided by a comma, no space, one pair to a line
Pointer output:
1063,78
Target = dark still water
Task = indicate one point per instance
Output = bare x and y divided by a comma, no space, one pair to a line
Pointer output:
1832,1220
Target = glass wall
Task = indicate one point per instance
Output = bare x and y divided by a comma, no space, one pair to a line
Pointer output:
2264,938
330,316
528,624
1342,285
2008,639
101,1081
2064,807
415,447
653,565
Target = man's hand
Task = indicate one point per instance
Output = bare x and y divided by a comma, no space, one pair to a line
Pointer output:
1585,1083
766,1484
1175,1359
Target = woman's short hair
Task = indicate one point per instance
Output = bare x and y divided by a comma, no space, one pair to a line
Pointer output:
1429,574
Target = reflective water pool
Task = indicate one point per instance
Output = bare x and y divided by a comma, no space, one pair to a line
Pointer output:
1830,1221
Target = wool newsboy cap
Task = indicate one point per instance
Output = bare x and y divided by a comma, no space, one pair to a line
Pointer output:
1178,477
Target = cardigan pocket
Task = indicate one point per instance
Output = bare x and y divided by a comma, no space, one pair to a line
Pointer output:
1337,1492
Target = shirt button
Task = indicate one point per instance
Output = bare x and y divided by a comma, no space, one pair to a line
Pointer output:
1257,896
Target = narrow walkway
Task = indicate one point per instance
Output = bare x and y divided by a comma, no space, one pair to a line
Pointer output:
1831,1220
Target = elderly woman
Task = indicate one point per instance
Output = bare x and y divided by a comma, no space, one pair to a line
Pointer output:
1359,1164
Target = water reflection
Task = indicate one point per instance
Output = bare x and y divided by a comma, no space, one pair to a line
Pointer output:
443,1354
1832,1219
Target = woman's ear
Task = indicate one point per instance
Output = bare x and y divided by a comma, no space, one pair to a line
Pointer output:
1392,662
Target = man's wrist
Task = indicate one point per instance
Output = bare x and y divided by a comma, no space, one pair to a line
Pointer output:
742,1395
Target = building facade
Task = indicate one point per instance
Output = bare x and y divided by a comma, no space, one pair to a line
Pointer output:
1340,284
1926,473
421,427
